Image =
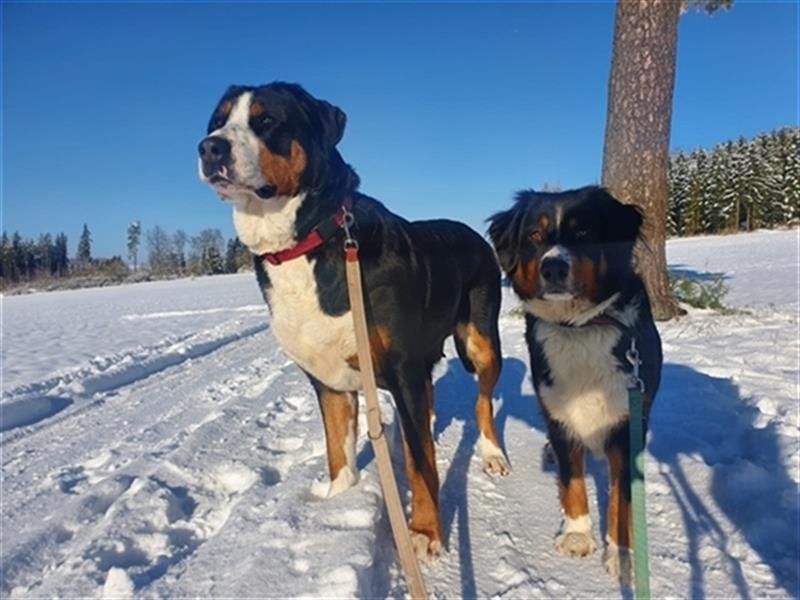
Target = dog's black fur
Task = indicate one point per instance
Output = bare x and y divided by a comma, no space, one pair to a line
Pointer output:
569,258
423,281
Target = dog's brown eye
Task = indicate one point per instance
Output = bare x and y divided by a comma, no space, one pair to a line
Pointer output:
536,236
217,123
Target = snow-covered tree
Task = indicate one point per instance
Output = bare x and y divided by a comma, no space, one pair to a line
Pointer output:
787,148
678,193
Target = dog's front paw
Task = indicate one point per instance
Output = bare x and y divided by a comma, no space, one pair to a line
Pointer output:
618,561
575,544
494,463
346,479
426,548
496,466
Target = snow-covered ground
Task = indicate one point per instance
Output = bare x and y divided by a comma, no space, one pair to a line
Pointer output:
157,443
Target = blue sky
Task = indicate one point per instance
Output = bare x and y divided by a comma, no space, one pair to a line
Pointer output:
451,107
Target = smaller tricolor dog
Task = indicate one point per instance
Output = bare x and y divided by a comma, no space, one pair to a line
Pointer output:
271,151
569,258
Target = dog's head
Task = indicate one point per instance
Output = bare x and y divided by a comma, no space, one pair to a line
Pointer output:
271,141
566,253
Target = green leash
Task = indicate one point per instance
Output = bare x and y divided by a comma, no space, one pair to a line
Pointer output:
641,566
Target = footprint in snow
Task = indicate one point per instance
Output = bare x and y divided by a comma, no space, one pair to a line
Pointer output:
281,445
71,480
234,478
356,518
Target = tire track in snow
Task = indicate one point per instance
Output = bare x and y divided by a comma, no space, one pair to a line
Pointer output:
32,403
179,531
168,508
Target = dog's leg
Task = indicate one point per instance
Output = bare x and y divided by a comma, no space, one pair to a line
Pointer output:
430,400
340,419
483,352
576,537
620,518
408,386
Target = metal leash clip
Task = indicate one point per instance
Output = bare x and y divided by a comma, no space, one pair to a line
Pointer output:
347,223
632,355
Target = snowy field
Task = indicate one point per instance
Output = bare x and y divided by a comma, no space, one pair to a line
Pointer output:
157,443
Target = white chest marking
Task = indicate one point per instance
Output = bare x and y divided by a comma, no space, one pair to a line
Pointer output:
319,343
589,392
266,225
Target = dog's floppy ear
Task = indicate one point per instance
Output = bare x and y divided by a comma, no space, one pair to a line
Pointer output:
631,221
627,219
504,233
333,122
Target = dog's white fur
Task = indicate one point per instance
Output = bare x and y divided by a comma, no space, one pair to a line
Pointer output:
560,252
589,390
319,343
347,476
245,169
576,537
266,225
618,561
494,463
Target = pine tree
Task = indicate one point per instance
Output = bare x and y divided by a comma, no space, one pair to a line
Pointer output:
639,114
6,261
134,235
213,261
774,209
636,145
84,255
729,193
179,240
718,206
788,148
755,188
61,255
230,256
44,255
207,252
29,254
695,215
737,184
17,257
678,193
237,256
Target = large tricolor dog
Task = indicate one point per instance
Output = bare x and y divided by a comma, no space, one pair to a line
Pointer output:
271,151
569,258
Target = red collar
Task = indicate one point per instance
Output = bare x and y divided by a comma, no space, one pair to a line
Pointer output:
318,236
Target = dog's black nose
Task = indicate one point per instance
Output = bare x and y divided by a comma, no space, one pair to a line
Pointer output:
554,270
215,150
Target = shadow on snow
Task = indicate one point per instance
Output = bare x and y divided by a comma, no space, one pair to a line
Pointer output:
695,417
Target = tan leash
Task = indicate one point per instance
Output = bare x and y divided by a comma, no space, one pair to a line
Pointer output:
391,495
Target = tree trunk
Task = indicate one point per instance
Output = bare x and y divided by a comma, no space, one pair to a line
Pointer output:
636,150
